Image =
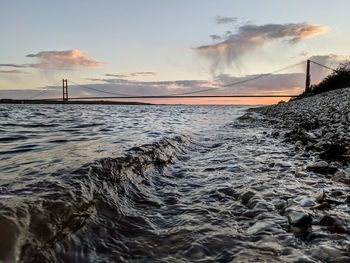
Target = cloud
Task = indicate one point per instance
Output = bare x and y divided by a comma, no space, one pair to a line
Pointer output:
116,75
215,37
292,83
58,60
277,84
284,83
133,74
15,71
68,59
250,37
330,60
225,20
163,85
143,74
14,65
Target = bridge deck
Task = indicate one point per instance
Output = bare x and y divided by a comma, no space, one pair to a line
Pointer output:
184,96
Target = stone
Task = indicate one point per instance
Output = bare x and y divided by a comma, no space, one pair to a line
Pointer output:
299,143
334,224
320,196
323,206
321,167
229,191
329,254
346,181
338,176
259,227
245,197
320,145
336,193
307,202
300,174
347,200
299,219
252,256
310,136
275,133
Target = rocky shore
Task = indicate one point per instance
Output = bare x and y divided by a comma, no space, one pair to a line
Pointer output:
319,127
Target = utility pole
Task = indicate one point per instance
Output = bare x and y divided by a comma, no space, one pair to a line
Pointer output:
308,77
65,90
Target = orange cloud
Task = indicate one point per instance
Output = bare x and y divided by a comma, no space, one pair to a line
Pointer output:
309,31
249,37
68,59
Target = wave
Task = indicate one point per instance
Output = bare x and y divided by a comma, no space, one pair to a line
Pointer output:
37,217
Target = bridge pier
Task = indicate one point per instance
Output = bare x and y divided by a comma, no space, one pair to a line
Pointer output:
65,90
308,77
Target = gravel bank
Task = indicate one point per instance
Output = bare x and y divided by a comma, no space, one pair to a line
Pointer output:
317,125
319,128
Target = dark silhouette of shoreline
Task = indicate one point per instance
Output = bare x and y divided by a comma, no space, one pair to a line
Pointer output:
94,102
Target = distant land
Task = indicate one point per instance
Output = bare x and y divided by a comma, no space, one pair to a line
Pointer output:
95,102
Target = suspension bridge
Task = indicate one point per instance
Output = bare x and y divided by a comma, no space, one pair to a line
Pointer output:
191,94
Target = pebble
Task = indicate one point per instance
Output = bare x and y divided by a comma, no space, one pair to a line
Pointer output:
260,227
334,224
321,167
307,202
300,174
320,196
329,254
245,197
299,219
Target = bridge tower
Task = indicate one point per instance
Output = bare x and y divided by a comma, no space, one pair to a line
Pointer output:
308,77
65,90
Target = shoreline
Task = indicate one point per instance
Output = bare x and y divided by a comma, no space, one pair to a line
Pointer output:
319,128
318,125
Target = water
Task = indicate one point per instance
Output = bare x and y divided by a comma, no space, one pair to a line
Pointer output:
153,184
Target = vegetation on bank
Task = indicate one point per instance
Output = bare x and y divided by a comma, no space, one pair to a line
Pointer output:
339,79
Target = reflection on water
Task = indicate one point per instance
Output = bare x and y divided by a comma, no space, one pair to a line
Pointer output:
152,184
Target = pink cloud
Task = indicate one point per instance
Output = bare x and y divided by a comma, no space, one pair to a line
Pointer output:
250,37
68,59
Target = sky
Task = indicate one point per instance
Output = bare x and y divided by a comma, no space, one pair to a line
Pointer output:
160,47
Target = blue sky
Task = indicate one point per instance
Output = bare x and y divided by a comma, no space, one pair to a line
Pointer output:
130,36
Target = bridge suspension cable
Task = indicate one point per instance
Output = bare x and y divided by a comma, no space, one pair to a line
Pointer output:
98,90
38,94
241,81
42,92
324,66
198,91
218,87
